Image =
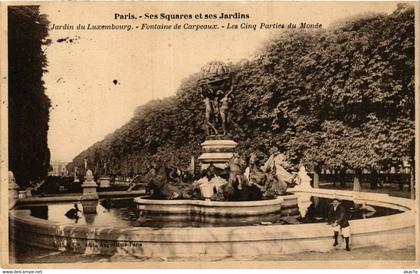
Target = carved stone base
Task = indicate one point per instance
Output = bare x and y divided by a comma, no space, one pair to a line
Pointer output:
104,181
89,187
89,207
217,150
89,191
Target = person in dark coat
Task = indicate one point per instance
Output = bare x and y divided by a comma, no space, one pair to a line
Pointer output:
337,217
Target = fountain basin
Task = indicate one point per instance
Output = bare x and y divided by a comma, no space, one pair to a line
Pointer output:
392,231
217,208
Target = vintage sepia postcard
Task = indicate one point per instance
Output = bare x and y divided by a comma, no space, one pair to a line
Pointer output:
209,134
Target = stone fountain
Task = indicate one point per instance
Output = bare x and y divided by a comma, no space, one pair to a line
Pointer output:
228,240
218,150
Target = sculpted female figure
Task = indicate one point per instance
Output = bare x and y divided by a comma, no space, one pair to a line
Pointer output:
224,108
209,97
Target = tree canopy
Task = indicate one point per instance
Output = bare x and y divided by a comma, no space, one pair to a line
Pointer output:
340,97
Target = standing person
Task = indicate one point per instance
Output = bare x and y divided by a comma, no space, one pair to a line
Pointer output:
342,177
337,217
374,178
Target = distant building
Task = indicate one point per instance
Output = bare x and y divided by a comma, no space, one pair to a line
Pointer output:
58,169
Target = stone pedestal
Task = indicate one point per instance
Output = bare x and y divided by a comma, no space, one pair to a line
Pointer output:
13,190
217,150
89,194
29,192
207,191
104,181
89,209
22,194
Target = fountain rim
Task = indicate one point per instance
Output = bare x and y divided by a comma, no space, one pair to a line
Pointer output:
408,207
24,215
211,203
392,231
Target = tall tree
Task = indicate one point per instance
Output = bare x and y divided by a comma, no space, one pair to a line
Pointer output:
342,97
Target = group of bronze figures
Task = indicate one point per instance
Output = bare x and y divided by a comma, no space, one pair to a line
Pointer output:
216,86
216,103
241,180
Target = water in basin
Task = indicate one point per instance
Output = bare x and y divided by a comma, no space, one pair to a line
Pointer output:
124,213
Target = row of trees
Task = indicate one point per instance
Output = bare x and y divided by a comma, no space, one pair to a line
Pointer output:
29,155
341,98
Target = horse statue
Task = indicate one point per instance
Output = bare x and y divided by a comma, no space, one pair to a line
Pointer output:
279,178
158,185
268,180
256,176
141,180
238,186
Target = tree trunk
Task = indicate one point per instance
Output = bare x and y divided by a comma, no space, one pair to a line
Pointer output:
356,183
374,178
342,177
316,178
412,190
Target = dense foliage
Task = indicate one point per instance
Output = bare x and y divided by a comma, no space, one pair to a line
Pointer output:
342,97
29,155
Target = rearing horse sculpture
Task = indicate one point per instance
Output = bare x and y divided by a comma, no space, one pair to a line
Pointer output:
158,185
256,176
275,167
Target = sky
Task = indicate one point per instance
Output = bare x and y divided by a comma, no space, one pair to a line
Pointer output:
96,79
